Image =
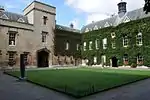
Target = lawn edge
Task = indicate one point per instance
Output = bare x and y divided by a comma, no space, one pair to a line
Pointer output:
79,97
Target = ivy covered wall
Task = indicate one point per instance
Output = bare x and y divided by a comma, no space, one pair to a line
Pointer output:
131,29
61,38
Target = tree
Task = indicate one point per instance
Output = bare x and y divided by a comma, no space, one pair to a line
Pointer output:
147,6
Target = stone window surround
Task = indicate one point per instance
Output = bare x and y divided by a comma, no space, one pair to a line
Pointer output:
44,34
12,39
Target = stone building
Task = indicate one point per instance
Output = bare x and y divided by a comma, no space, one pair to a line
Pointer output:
122,39
44,43
36,35
31,34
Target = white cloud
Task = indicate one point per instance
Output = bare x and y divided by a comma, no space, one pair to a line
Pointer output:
100,9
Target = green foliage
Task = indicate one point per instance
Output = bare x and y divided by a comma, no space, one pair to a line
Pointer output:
131,29
61,38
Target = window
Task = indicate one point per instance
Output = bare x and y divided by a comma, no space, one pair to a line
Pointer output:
44,20
0,52
96,44
106,24
4,17
125,41
67,46
105,43
84,46
103,61
11,57
44,34
113,35
95,27
95,60
125,59
26,57
126,19
77,47
87,30
12,38
21,20
90,45
139,59
139,39
113,45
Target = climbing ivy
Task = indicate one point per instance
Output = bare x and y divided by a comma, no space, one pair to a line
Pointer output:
131,29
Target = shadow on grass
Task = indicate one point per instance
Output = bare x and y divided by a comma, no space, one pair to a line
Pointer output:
82,86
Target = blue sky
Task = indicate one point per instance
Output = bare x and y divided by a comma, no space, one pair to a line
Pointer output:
79,12
64,14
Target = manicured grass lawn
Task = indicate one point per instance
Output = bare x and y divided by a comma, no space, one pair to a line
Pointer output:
83,81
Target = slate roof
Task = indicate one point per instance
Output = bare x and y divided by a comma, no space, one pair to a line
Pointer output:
13,16
60,27
116,20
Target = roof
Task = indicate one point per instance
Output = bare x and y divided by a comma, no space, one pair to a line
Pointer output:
13,17
65,28
40,3
116,20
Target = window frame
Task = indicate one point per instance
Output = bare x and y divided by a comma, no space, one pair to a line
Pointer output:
90,45
67,45
125,41
45,18
12,38
139,39
105,44
44,37
84,46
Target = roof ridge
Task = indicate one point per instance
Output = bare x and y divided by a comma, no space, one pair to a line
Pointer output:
16,14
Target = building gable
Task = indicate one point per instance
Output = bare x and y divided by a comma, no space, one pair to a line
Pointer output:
4,16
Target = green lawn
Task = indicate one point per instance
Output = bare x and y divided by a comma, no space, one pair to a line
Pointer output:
84,81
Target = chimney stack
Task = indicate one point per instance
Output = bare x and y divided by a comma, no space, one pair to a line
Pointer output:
122,8
71,25
2,8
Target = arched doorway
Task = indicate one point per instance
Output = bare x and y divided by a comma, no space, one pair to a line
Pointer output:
42,58
114,62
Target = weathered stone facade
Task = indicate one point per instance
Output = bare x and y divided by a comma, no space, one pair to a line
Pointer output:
28,36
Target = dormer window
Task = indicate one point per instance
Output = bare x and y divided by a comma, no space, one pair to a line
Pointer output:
45,20
21,20
87,30
106,24
4,16
95,27
126,19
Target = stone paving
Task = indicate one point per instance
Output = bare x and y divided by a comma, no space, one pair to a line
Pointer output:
12,89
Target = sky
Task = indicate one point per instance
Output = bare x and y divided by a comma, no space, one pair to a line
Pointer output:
78,12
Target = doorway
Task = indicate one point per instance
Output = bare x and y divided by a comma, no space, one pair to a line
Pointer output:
42,59
114,62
